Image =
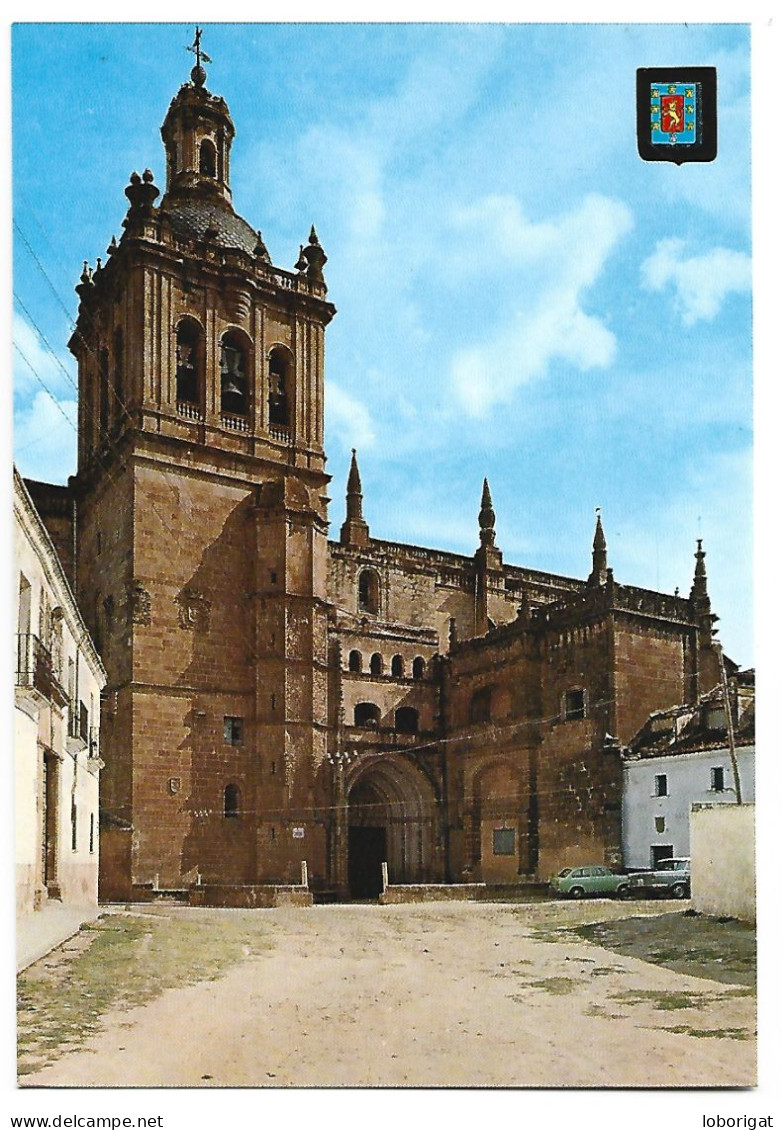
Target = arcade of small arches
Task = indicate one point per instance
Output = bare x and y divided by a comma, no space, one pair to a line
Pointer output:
368,716
378,667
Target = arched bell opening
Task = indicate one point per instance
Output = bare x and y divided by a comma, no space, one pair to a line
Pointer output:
234,371
393,819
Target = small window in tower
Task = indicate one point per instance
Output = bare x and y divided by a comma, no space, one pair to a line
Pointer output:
574,705
369,591
481,705
406,720
190,350
279,391
231,802
234,399
355,661
661,784
418,668
376,664
207,158
716,779
397,667
232,730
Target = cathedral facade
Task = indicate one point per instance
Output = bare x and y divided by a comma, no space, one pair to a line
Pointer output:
275,697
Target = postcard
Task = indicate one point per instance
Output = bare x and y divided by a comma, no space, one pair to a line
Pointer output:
383,494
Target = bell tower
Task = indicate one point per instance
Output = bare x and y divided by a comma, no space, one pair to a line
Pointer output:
201,501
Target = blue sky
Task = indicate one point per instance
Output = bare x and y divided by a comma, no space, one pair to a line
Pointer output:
519,295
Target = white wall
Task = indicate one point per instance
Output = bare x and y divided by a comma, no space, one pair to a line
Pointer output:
688,782
41,725
723,860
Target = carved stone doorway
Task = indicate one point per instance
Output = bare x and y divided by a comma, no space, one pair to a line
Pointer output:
392,817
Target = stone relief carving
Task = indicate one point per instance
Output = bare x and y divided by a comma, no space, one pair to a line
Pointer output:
194,610
139,604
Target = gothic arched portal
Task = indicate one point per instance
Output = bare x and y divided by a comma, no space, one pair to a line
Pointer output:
392,818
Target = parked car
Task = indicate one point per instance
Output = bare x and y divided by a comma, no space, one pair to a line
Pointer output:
670,879
576,882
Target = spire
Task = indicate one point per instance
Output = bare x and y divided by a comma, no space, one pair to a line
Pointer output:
599,570
699,587
354,530
708,672
486,517
489,565
354,490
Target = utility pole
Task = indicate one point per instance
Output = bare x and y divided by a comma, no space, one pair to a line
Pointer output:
729,724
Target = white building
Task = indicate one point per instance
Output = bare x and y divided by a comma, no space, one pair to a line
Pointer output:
680,758
59,678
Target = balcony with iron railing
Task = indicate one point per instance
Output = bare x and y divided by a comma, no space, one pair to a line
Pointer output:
35,672
78,727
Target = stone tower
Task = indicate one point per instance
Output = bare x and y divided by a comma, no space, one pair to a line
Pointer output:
201,501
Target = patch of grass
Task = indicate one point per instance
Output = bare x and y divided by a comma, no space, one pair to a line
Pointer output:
604,1013
126,961
711,1033
665,1000
559,986
556,934
719,949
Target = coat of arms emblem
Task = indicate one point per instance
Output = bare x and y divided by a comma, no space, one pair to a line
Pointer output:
676,114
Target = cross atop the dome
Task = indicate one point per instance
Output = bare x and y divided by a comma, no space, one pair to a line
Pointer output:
195,47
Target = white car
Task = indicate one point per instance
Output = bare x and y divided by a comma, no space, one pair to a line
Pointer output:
671,879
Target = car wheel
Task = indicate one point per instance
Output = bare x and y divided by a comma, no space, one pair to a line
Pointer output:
623,891
577,892
679,891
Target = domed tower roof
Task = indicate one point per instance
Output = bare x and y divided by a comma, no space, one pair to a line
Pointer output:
197,133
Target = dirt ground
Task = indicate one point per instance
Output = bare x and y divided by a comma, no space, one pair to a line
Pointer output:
550,994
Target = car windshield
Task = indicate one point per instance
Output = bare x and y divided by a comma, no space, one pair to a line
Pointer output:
566,871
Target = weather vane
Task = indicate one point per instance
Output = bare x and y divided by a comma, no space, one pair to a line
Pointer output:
196,49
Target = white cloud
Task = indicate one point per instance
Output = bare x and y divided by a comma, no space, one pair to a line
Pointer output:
549,267
32,357
701,282
45,438
714,501
348,420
